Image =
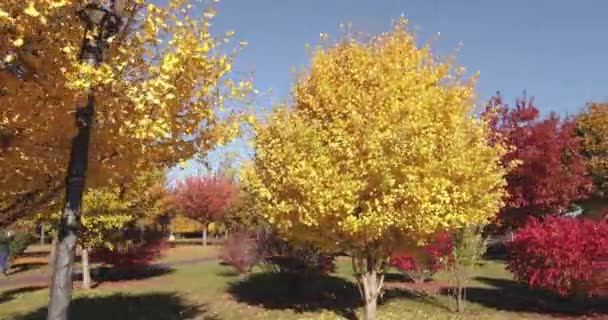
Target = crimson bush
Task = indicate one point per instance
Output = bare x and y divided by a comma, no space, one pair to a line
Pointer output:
560,254
422,263
130,255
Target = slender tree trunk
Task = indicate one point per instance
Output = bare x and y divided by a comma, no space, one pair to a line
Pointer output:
370,284
370,309
204,235
61,286
86,268
141,232
41,234
460,299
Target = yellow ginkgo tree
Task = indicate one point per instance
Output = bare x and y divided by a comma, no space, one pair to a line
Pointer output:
111,87
108,211
380,148
592,127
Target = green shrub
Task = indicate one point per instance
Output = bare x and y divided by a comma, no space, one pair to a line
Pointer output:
18,243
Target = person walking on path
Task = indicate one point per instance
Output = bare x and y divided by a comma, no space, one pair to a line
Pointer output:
4,254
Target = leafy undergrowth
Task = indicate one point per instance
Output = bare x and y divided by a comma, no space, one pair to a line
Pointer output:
213,292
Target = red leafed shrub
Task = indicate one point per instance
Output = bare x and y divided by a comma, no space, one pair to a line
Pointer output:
422,263
130,255
240,251
564,255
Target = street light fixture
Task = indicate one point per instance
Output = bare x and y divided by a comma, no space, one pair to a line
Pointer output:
104,22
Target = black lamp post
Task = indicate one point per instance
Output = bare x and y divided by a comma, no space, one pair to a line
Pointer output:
101,24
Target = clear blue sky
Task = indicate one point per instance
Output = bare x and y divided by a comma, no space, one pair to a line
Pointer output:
557,50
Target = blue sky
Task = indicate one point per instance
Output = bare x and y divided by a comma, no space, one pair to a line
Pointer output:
557,50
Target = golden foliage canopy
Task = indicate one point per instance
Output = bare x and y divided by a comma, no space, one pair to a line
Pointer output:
381,146
159,91
108,211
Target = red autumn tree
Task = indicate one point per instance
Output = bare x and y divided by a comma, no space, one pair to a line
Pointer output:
551,174
205,199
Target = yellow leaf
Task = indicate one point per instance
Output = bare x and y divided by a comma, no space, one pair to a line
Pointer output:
3,14
18,42
31,10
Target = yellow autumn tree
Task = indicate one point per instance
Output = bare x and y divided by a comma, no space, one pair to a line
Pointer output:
104,213
158,92
141,88
379,148
182,224
592,126
110,210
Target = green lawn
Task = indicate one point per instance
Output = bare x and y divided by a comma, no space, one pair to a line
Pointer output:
211,291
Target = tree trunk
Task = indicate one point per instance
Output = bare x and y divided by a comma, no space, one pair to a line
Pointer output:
460,299
41,234
371,290
370,284
142,228
86,268
204,235
61,285
370,309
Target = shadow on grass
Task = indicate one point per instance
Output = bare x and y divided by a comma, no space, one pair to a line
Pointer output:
106,274
25,266
398,277
11,294
129,307
285,291
413,295
229,273
509,295
496,252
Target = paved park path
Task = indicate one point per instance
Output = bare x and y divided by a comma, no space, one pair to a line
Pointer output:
41,277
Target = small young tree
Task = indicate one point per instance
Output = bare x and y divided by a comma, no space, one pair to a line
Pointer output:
380,148
468,246
205,199
551,174
104,214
